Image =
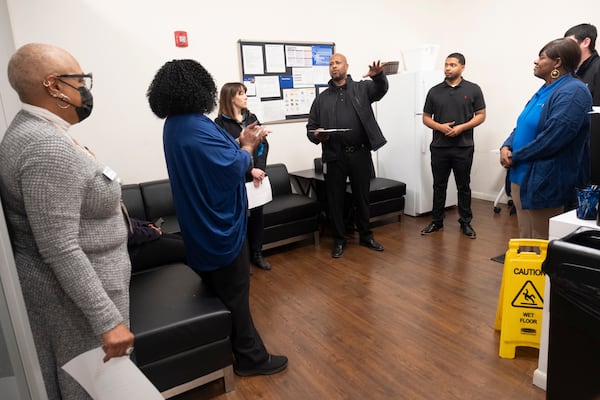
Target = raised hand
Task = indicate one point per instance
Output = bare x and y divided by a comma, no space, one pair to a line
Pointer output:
374,69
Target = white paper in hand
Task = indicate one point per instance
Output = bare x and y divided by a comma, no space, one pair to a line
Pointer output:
258,196
117,379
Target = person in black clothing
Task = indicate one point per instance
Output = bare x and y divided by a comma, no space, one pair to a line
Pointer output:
150,247
346,106
589,71
233,117
452,109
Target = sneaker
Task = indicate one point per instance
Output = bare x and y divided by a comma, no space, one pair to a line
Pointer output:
272,365
468,230
432,227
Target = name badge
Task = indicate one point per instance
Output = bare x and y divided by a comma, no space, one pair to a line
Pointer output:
109,173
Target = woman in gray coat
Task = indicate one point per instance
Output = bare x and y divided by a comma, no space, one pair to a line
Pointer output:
63,212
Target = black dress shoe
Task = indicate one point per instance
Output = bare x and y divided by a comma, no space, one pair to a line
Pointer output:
432,227
372,244
468,230
273,365
260,261
338,250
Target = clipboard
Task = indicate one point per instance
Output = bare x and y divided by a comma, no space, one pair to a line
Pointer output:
332,130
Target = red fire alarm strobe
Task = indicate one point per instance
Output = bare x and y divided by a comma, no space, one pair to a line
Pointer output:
181,39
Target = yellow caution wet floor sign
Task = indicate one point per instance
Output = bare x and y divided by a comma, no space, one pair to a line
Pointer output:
521,299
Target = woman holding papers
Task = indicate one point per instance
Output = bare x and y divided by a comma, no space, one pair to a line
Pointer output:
207,170
63,212
548,151
233,117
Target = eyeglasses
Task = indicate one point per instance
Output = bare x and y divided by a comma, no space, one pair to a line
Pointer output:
86,79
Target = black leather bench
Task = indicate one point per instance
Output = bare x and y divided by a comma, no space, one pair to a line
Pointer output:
386,198
182,330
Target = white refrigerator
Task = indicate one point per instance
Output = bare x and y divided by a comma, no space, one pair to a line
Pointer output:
406,156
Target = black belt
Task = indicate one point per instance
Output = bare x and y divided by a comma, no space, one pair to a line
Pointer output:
356,147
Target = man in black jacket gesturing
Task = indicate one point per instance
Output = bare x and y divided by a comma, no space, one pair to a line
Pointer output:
342,121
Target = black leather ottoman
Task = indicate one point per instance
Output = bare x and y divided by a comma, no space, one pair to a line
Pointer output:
181,330
386,197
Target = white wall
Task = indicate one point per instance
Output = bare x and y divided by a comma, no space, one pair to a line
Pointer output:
9,101
125,42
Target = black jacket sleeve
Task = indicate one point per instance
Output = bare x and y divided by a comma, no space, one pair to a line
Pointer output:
141,233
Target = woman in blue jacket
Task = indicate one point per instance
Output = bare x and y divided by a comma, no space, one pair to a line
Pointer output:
548,151
207,171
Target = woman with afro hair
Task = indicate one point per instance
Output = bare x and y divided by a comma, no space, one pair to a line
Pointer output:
207,171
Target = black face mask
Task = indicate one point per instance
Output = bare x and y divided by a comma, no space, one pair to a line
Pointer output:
87,103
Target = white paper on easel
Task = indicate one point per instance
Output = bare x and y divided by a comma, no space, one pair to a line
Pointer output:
116,379
258,196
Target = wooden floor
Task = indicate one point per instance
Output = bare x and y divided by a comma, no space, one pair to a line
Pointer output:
413,322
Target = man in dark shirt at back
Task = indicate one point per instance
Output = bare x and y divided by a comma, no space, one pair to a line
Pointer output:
589,71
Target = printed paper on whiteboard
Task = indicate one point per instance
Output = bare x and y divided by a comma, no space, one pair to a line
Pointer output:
116,379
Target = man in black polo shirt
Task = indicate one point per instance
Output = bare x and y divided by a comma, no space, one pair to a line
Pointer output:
452,109
342,121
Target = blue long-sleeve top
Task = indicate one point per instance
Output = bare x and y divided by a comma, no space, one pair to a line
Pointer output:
557,157
527,125
207,175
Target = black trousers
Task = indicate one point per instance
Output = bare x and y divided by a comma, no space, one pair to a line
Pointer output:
256,230
232,285
357,166
167,249
443,161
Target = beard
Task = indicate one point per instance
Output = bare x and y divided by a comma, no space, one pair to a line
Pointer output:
338,76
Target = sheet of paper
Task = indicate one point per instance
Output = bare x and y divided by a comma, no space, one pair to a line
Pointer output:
298,56
253,60
267,86
272,110
321,55
595,110
258,196
321,75
116,379
303,77
250,83
298,101
275,57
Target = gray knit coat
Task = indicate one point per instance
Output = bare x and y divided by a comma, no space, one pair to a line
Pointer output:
69,239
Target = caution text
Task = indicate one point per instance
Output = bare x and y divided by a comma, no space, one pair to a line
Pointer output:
528,271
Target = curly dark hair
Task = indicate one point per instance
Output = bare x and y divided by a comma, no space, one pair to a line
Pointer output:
182,87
